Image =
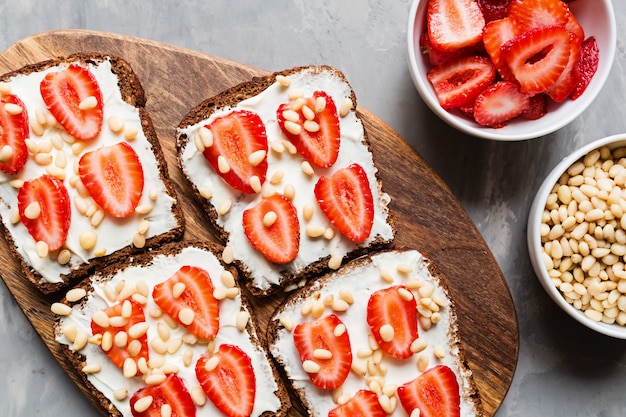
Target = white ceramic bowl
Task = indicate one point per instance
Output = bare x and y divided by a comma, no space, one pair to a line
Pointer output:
534,236
597,19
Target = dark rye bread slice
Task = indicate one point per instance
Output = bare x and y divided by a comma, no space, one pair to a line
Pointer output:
290,276
165,255
352,285
132,93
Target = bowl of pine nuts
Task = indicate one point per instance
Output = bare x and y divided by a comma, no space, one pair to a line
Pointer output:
577,235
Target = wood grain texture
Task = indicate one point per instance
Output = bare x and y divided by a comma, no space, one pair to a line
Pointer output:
427,215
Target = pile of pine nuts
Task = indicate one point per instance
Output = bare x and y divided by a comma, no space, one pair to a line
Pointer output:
583,235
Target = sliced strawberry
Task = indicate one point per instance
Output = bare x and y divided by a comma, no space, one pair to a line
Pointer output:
346,199
538,13
52,223
574,26
114,178
496,34
435,393
437,57
278,241
537,107
499,103
454,24
320,147
564,85
393,308
236,136
13,133
587,66
231,385
494,9
63,91
537,57
197,296
460,80
320,334
172,392
363,404
119,354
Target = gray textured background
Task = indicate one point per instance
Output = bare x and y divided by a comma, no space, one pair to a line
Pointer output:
563,369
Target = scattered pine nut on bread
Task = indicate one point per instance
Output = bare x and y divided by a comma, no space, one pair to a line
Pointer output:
267,159
80,227
126,307
377,325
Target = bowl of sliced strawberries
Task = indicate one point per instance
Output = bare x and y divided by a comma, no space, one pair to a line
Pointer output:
510,69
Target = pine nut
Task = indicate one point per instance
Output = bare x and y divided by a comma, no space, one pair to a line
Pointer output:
6,153
32,211
41,248
346,107
311,367
387,333
212,363
198,396
143,404
292,127
92,368
225,206
130,133
186,316
282,80
116,124
139,329
307,168
129,368
75,294
311,126
178,289
87,239
242,319
255,184
61,309
269,218
257,157
88,103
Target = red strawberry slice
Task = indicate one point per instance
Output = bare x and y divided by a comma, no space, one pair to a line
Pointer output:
537,57
346,199
460,80
494,9
197,296
499,103
172,392
114,178
537,107
319,147
537,13
52,223
363,404
63,91
454,24
237,135
231,385
393,308
564,85
587,66
119,354
435,393
496,34
277,241
574,26
313,336
13,133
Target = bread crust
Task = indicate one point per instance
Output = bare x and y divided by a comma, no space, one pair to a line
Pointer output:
230,98
297,298
77,359
132,93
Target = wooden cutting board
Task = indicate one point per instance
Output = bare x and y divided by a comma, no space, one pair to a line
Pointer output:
427,215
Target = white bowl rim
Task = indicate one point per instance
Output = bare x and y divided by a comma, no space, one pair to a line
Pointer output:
534,239
453,120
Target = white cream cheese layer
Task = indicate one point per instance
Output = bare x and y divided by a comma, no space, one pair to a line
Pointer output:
353,149
111,378
112,234
362,282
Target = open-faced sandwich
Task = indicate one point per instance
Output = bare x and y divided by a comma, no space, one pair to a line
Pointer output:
83,182
283,168
170,334
378,337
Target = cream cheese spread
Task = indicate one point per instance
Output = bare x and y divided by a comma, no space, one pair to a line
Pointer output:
353,149
442,346
110,377
112,234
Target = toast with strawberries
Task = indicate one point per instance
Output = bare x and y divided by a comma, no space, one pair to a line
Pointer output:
378,337
83,180
169,333
282,167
